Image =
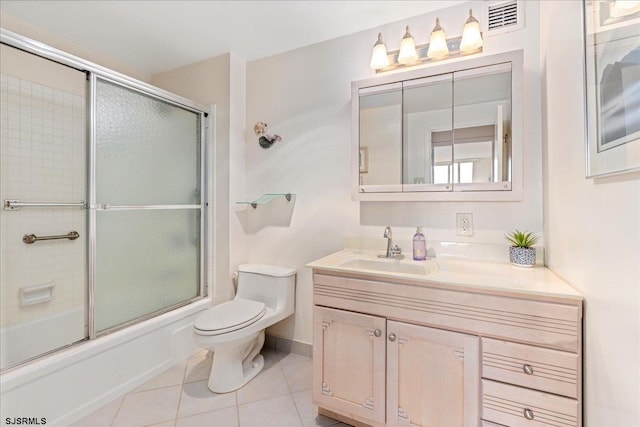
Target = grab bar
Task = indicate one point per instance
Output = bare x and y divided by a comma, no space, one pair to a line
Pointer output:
15,205
32,238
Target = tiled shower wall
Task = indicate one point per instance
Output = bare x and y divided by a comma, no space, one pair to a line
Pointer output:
42,159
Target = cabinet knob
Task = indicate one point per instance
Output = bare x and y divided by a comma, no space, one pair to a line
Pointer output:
377,332
528,414
528,369
392,337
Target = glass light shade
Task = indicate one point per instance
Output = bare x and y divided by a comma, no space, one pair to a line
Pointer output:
408,54
471,37
379,57
620,8
438,44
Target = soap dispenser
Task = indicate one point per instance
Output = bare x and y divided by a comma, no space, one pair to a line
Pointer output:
419,246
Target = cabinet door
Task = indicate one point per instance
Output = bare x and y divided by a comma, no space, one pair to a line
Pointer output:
349,363
433,377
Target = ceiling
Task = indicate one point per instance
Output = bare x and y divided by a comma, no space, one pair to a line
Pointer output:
154,36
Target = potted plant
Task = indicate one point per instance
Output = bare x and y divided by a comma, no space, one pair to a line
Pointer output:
522,252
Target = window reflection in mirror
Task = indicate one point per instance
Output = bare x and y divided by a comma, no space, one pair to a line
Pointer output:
427,108
381,138
482,123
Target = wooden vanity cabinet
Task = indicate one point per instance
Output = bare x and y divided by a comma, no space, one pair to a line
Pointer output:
432,376
402,354
349,363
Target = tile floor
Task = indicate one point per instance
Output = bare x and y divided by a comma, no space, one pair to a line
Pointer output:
280,396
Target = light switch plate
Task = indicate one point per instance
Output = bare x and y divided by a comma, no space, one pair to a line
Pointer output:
464,224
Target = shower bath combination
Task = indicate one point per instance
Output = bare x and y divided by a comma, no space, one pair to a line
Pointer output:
103,218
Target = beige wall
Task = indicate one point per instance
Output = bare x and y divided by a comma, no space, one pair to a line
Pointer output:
16,63
592,229
305,97
17,26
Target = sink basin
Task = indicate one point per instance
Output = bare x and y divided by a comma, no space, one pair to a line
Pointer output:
389,266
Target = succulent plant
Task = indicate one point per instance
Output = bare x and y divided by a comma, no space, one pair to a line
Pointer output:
522,239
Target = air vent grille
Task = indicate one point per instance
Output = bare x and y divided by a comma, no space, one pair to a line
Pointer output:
503,15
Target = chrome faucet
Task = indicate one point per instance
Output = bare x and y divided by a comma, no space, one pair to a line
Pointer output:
393,251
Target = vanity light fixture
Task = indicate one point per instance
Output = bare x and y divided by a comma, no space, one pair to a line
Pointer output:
379,58
408,54
438,47
438,44
471,37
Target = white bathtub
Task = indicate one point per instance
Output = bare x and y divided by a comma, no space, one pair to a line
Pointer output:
72,383
43,335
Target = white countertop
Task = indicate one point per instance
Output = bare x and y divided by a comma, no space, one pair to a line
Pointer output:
481,275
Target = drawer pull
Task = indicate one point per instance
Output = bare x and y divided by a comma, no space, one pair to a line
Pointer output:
528,414
528,369
377,332
392,337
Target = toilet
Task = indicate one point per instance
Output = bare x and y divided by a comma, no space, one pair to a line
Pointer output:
234,330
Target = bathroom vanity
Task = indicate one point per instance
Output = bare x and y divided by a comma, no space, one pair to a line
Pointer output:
445,343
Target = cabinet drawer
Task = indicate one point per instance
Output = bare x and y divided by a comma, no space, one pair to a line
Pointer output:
515,406
534,367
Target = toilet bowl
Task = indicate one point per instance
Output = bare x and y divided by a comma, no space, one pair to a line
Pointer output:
234,330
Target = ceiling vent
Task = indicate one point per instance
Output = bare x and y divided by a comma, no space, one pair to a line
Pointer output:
503,16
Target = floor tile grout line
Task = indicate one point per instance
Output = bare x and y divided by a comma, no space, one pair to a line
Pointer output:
113,420
264,398
175,420
184,377
237,410
297,409
204,412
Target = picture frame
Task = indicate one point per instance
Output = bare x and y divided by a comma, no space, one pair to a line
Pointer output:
612,93
363,159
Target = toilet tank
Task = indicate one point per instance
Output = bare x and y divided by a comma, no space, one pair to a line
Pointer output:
272,284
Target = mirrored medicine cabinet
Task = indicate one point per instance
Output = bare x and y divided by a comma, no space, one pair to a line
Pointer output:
449,132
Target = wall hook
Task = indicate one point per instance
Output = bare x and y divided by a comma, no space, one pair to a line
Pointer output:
265,140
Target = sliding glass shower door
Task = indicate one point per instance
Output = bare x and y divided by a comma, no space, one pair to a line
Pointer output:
43,285
146,203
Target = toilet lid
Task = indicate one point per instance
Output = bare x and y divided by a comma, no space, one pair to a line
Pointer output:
229,316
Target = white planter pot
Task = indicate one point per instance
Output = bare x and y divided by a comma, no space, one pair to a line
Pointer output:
523,257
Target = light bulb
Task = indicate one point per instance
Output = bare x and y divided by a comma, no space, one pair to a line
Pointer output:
471,37
408,54
620,8
379,57
438,44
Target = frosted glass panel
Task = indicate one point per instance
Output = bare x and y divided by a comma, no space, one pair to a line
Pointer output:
146,260
147,150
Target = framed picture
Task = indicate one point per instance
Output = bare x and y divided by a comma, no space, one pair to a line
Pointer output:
363,159
612,84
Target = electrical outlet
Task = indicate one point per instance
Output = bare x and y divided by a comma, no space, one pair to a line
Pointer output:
464,224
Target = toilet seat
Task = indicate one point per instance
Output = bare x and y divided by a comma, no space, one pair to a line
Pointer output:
229,316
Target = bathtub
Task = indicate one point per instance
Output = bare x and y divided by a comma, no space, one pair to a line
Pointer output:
43,335
72,383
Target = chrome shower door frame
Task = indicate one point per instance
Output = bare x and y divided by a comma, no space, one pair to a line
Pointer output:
93,207
93,72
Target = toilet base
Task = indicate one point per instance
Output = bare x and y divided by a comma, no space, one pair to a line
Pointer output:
234,366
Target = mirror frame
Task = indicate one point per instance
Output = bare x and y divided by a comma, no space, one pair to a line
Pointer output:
467,192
